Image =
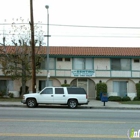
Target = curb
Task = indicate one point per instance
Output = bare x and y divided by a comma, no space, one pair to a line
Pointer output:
116,108
89,107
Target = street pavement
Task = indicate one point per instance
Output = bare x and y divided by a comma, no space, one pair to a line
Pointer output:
93,104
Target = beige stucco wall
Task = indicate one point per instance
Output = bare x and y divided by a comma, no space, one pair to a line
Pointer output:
17,84
102,73
64,64
135,66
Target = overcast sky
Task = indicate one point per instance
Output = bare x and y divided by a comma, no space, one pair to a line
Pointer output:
93,13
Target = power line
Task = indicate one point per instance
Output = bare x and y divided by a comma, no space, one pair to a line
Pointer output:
85,26
82,26
96,36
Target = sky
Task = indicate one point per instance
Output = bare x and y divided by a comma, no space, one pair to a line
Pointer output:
96,23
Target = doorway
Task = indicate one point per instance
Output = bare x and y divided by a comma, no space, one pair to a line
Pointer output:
87,84
42,84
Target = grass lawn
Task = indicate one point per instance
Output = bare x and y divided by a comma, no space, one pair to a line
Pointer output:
131,102
10,99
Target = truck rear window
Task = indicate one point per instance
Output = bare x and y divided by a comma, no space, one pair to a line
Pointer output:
76,91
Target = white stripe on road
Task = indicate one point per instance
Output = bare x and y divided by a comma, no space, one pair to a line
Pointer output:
67,121
64,135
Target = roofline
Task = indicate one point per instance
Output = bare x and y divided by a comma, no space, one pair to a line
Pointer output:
91,56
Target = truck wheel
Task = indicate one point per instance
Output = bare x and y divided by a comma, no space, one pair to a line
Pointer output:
72,103
31,102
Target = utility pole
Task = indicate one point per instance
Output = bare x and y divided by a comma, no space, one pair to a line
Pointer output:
48,48
33,48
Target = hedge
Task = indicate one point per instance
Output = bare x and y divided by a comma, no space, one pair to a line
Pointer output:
114,98
136,99
65,85
138,89
101,87
126,98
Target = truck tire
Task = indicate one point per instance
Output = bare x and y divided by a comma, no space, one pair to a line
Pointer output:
72,103
31,102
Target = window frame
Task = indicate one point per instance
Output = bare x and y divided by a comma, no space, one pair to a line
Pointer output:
136,60
67,59
43,64
59,59
84,64
121,66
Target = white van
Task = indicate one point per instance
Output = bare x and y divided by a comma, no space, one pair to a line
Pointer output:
71,96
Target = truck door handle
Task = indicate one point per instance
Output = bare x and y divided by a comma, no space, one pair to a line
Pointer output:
63,95
51,95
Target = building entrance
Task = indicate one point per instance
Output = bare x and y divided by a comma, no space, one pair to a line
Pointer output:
87,84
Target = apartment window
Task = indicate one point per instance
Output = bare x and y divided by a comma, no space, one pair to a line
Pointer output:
120,64
10,85
79,63
67,59
88,63
82,63
3,85
136,60
59,59
120,87
51,64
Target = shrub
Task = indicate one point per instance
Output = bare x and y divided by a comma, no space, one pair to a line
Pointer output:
98,98
136,99
114,98
138,89
2,92
101,87
126,98
11,95
65,85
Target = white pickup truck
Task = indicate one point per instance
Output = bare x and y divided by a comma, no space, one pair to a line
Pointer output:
71,96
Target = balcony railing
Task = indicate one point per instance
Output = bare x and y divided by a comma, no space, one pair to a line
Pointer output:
90,73
87,73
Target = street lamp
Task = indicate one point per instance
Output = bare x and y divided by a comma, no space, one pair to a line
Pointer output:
48,49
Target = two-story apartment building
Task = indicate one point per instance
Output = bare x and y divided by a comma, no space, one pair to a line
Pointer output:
118,67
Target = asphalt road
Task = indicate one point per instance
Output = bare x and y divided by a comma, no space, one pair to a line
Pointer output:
66,124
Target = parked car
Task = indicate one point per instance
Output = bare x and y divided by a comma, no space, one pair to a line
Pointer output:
71,96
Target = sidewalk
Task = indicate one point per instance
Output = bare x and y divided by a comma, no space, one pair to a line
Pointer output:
93,104
111,105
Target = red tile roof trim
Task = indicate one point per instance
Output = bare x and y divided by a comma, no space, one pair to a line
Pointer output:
85,51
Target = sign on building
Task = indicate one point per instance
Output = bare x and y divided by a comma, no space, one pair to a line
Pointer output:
82,73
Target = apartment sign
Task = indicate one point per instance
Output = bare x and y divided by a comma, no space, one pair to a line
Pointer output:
82,73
